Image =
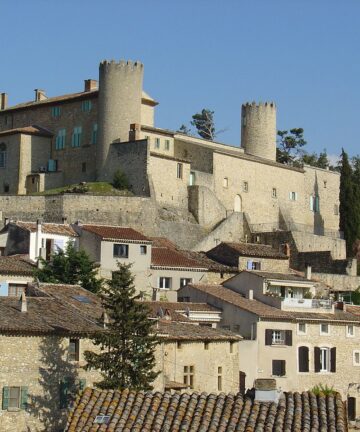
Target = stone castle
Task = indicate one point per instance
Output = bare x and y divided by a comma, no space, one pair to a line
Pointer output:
216,190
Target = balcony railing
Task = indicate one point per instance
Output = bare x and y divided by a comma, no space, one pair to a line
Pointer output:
307,303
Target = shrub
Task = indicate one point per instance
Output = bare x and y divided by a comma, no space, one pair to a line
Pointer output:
120,181
324,390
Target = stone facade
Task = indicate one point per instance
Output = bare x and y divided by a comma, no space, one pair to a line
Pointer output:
243,179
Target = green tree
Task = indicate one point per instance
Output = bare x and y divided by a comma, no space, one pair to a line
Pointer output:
70,266
126,358
312,159
204,123
289,145
349,204
184,129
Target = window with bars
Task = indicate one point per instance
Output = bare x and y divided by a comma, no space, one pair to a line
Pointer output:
189,373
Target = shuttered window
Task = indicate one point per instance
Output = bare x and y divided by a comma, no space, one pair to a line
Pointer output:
324,359
303,356
278,337
76,137
14,397
278,367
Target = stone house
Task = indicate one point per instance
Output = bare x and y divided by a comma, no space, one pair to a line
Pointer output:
300,341
36,239
43,337
250,256
15,273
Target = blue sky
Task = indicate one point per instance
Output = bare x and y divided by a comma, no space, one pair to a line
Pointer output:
302,54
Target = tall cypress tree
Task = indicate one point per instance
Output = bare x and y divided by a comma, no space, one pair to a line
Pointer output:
127,346
349,204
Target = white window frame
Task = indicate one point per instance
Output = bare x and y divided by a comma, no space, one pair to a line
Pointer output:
185,281
325,360
324,333
278,337
299,331
355,353
293,196
162,282
348,334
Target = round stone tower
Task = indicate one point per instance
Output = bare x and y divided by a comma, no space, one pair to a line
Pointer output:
119,105
258,129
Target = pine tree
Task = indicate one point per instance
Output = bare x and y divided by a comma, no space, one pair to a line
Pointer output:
204,123
126,358
349,204
70,266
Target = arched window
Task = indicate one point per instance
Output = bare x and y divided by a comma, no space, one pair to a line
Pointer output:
2,155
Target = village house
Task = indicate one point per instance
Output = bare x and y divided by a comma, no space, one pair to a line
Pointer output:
15,273
36,239
290,335
43,337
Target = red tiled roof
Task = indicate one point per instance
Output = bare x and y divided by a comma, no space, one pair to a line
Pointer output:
129,410
163,242
265,311
165,257
177,310
108,232
48,228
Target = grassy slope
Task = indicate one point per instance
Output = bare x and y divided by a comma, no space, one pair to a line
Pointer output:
95,188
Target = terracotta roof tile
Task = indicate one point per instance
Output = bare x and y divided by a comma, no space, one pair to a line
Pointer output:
165,411
16,265
353,309
295,276
48,228
108,232
228,253
163,242
269,312
190,331
166,257
177,310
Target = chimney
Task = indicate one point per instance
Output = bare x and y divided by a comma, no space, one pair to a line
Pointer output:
340,305
23,302
265,390
40,95
251,294
3,101
308,272
90,85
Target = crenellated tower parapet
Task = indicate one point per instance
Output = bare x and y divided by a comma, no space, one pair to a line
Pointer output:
258,129
119,106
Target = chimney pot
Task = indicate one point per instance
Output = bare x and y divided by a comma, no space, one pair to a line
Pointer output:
251,294
40,95
23,302
3,101
90,85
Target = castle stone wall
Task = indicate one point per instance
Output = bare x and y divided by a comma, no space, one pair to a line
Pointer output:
201,156
205,206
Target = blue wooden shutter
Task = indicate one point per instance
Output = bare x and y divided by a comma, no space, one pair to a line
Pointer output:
4,289
5,398
23,398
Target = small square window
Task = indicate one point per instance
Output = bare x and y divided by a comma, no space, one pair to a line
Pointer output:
274,193
324,329
356,358
157,143
278,367
179,171
246,186
74,350
350,330
121,250
165,282
143,250
226,182
293,196
167,144
302,328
